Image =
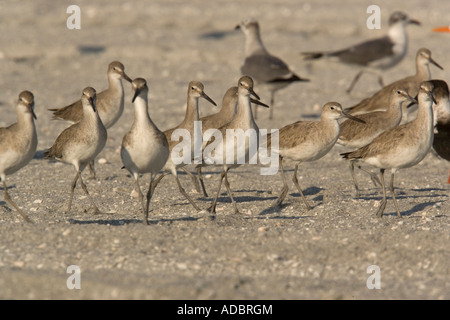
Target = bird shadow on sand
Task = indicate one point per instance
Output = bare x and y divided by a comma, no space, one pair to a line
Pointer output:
417,208
121,222
405,195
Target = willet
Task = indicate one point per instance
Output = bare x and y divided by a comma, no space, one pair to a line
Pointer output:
263,67
110,102
356,135
304,141
240,149
377,54
81,142
144,148
401,147
195,91
441,142
219,119
18,143
380,100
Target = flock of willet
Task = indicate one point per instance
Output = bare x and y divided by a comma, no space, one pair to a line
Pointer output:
377,130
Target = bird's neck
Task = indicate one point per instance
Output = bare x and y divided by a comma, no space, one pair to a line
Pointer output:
254,44
115,85
397,33
25,121
244,112
192,113
141,116
423,71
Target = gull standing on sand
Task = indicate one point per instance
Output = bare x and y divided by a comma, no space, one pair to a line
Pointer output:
110,102
243,123
380,100
304,141
81,143
401,147
377,54
195,91
263,67
144,148
356,135
18,143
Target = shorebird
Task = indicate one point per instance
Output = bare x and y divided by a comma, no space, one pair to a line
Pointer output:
81,143
356,135
304,141
18,143
441,142
401,147
380,100
376,54
244,123
264,68
144,148
219,119
195,91
110,102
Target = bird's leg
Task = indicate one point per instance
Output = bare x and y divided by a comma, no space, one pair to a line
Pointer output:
92,170
193,178
214,203
155,182
183,192
285,188
83,186
227,185
295,180
200,178
355,183
380,81
355,79
141,196
72,188
12,203
383,201
393,195
372,175
150,191
272,99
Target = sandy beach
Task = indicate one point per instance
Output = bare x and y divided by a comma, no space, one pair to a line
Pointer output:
263,253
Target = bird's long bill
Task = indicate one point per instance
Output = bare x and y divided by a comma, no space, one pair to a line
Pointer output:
436,64
136,92
253,93
259,103
126,77
204,95
30,107
92,102
411,100
353,117
413,21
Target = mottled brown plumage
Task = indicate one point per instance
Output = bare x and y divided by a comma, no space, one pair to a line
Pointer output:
401,147
18,143
81,143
